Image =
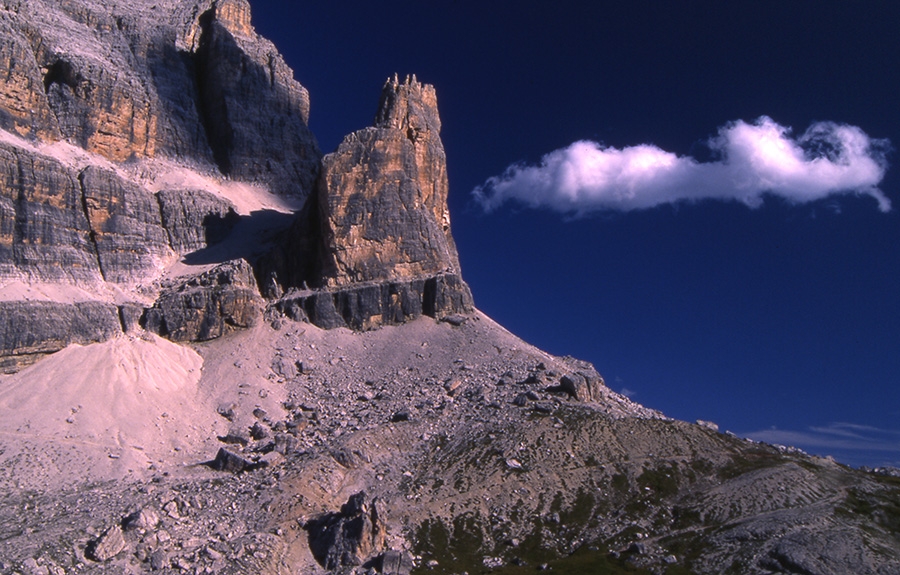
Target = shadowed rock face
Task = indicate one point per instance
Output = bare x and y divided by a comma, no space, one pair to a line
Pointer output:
383,194
254,113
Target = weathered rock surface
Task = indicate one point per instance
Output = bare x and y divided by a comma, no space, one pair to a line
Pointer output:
372,305
44,232
349,537
30,330
207,306
24,107
126,226
383,194
195,219
186,79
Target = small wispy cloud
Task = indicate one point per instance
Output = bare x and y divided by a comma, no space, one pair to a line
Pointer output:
754,159
847,441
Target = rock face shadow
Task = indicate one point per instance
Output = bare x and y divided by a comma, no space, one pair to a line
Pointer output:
240,237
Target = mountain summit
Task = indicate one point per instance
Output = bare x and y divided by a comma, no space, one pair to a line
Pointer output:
223,351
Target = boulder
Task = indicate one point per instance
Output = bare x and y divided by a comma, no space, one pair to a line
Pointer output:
144,518
396,563
231,462
110,543
348,537
207,306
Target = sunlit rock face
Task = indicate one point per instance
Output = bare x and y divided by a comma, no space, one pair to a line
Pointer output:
383,194
190,80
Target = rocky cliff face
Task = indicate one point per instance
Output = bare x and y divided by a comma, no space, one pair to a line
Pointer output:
120,126
383,194
150,79
332,401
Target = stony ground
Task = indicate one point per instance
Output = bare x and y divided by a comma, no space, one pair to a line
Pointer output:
458,434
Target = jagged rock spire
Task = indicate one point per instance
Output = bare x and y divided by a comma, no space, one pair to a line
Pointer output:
383,194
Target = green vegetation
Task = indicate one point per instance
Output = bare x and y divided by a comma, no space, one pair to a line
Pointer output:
759,458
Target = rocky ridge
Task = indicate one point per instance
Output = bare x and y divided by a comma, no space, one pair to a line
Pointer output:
325,397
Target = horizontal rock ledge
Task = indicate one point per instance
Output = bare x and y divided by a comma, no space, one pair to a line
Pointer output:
372,305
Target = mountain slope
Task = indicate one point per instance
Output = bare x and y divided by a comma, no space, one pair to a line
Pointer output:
224,352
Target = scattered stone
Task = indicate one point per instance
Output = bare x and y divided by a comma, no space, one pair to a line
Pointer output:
402,415
146,518
637,548
452,386
235,436
226,410
159,560
110,543
455,319
231,462
513,463
286,368
171,509
708,425
285,444
258,431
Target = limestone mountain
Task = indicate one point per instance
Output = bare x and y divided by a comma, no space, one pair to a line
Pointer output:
222,351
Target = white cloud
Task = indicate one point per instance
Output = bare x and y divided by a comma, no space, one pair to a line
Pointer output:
754,160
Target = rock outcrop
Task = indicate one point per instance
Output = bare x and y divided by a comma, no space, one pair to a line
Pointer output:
383,194
349,537
190,80
386,252
374,304
207,306
31,329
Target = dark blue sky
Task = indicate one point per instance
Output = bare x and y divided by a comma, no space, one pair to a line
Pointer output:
781,322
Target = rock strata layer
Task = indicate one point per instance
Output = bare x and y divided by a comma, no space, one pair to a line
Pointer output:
371,305
31,329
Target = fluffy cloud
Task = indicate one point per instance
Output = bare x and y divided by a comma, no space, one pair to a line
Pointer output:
754,160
